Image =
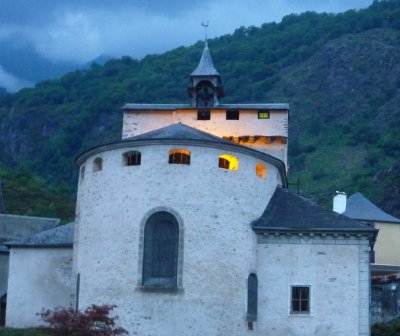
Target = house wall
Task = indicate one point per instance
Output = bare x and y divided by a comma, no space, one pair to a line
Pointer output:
49,285
337,269
139,122
387,247
215,208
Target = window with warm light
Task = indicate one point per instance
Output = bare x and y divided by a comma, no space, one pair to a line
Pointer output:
261,170
97,164
263,114
227,161
132,158
179,156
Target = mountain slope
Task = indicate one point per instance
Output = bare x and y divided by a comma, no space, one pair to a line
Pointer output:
340,74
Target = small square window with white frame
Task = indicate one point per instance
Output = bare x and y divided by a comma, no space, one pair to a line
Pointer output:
300,300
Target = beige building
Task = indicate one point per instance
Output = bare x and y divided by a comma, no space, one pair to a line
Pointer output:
385,256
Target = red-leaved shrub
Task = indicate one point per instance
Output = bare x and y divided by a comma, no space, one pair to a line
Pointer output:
93,321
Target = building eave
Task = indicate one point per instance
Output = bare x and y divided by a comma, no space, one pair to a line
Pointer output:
187,142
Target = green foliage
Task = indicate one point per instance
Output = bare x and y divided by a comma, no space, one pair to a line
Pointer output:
21,332
336,71
26,194
383,329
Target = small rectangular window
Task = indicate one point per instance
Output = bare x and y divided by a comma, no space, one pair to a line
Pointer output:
300,300
232,115
203,115
263,114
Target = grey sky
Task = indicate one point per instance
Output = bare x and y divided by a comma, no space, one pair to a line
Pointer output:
80,30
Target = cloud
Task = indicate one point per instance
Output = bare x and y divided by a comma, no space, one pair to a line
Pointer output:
80,30
12,83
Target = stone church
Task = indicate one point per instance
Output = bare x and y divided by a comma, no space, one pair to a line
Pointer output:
188,226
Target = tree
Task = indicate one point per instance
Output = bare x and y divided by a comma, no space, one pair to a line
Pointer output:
93,321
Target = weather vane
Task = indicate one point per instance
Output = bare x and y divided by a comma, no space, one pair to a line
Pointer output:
205,25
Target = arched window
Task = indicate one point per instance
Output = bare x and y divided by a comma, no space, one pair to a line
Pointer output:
132,158
252,297
179,156
227,161
205,94
261,170
160,251
82,173
97,164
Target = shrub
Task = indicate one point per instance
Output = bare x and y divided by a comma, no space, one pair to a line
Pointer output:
21,332
93,321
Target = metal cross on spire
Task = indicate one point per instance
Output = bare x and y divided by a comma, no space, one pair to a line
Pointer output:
205,25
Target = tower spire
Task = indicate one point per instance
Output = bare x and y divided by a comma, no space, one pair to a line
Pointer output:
206,86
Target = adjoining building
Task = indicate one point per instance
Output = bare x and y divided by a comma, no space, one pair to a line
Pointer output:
15,227
385,253
188,226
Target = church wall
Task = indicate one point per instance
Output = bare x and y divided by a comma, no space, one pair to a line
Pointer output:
139,122
39,278
215,207
337,270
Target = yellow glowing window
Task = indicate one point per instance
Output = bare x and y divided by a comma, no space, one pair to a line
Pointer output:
179,156
262,114
227,161
261,170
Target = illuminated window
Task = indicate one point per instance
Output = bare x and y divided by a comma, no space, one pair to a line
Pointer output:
82,173
263,114
132,158
232,115
203,115
227,161
300,300
261,170
252,297
97,164
160,251
179,156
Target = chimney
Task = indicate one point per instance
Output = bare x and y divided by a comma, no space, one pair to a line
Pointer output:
340,202
2,207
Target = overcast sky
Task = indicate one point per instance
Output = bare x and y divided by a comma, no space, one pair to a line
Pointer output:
81,30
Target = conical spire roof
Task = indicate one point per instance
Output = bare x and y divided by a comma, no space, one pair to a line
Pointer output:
206,65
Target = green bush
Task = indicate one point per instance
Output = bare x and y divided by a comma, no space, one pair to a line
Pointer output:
21,332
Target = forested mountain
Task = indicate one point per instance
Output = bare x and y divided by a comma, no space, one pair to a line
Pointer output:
339,73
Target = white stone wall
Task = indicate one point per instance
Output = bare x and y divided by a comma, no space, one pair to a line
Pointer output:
337,271
39,278
215,207
139,122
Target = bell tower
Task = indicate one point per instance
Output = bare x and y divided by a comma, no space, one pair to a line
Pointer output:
206,87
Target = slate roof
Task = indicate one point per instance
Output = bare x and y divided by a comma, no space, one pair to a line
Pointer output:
163,107
288,211
178,132
359,207
61,236
206,65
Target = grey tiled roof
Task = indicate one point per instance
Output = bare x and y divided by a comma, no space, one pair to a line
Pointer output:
289,211
163,107
61,236
359,207
178,132
206,65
